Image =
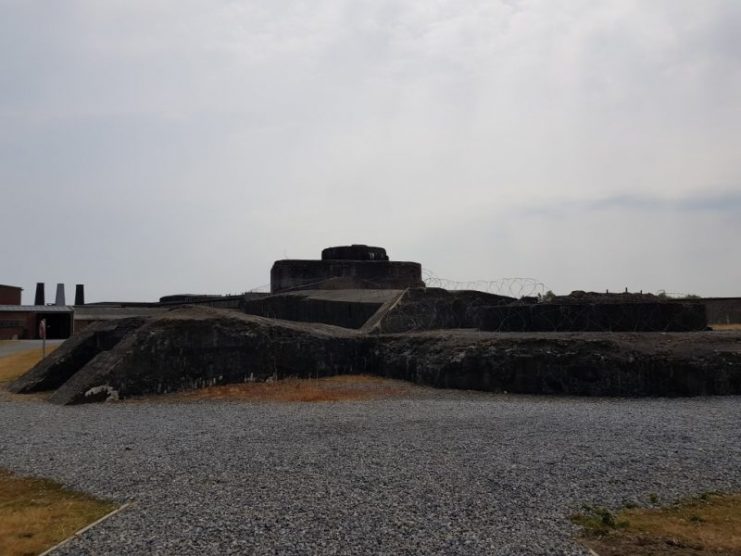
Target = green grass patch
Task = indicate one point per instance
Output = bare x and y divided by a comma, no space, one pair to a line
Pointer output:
707,524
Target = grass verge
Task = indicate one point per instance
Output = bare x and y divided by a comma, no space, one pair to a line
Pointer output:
14,365
329,389
36,514
725,326
707,524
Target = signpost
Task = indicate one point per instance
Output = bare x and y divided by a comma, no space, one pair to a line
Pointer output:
42,333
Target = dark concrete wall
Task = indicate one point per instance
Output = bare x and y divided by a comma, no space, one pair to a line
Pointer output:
639,317
172,354
723,310
187,298
437,309
216,301
74,354
287,275
348,314
190,348
619,364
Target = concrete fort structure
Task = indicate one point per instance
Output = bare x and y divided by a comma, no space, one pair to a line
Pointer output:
346,267
356,312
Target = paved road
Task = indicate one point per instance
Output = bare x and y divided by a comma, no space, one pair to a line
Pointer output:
455,474
8,347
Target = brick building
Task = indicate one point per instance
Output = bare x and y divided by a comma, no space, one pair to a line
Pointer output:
21,322
10,295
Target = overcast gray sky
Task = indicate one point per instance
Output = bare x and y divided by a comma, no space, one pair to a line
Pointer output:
166,146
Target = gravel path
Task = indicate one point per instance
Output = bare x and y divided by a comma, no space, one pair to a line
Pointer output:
456,473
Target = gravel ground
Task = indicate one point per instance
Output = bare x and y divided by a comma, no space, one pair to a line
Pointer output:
454,473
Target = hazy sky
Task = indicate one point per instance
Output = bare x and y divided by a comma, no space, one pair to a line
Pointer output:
158,147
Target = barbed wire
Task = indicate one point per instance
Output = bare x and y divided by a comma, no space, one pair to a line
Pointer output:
674,295
265,288
513,287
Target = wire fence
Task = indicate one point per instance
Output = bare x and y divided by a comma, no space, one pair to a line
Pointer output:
675,295
513,287
265,288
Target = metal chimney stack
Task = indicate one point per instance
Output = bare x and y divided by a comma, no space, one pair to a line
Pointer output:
40,298
60,295
80,294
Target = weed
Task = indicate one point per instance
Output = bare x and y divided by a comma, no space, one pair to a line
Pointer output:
597,521
706,524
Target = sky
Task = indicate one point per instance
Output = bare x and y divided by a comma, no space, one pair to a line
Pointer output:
167,146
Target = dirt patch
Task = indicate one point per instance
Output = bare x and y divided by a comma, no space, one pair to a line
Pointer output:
725,326
329,389
708,524
36,514
14,365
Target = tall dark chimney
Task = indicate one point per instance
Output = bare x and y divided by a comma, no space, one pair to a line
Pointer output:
60,295
80,294
40,298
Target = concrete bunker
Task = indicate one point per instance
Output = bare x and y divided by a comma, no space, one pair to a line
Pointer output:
345,267
189,347
355,311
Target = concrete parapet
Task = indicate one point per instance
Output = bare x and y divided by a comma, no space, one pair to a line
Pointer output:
597,317
723,310
436,309
354,253
346,308
288,275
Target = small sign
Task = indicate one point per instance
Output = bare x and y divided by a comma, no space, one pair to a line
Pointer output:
42,333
